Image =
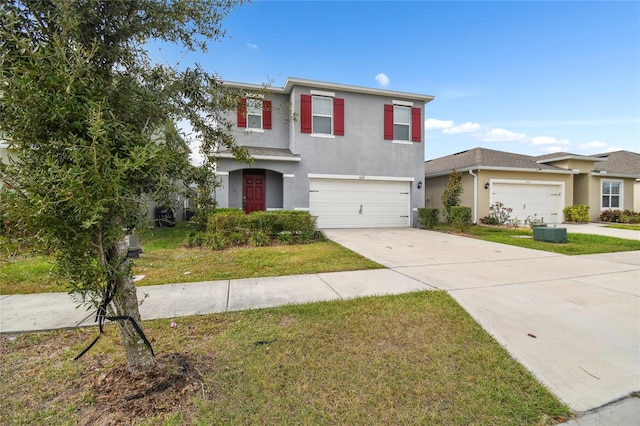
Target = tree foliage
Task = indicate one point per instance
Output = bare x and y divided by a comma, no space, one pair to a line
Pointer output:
451,194
90,121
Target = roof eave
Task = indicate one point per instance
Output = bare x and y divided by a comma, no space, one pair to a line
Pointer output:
570,157
614,174
228,155
291,82
503,169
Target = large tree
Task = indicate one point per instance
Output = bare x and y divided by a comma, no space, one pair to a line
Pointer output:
90,120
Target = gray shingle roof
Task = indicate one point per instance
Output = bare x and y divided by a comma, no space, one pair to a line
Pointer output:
620,162
483,158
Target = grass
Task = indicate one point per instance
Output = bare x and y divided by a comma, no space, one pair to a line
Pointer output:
164,260
577,244
414,359
630,227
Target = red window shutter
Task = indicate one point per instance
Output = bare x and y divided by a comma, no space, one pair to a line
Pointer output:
416,125
338,117
242,113
388,122
305,113
266,115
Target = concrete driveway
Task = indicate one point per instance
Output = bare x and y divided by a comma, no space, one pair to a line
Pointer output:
573,321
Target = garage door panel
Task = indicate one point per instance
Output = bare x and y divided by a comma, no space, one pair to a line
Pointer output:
529,200
359,204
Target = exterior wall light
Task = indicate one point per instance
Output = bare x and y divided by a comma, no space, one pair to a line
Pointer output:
486,185
419,184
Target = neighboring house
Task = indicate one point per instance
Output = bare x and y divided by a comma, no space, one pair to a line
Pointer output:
352,156
540,186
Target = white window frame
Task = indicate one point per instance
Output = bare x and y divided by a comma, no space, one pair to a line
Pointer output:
251,112
408,124
314,114
620,195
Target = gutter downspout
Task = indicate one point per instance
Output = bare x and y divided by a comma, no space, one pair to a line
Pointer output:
475,197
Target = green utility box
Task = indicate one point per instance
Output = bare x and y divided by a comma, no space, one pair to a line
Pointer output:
551,235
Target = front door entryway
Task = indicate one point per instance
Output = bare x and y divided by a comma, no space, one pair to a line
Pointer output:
253,183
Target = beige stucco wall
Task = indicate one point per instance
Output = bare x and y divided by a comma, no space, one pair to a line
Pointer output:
435,187
629,197
636,196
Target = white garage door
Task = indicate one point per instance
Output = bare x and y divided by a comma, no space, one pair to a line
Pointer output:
529,199
345,203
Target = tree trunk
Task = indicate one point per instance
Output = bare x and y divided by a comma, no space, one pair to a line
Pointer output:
125,304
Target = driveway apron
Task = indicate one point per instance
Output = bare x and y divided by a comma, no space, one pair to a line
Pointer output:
573,321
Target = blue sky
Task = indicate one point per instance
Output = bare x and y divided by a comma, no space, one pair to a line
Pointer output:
526,77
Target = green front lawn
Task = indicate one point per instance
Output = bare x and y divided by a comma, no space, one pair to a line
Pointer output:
413,359
576,243
630,227
165,260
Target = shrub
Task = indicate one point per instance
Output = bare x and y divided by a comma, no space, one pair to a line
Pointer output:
630,217
577,213
460,217
227,210
514,223
533,221
498,214
259,239
215,241
451,195
428,217
627,216
263,228
610,216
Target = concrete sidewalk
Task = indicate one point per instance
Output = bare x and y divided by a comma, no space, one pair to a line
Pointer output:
573,321
48,311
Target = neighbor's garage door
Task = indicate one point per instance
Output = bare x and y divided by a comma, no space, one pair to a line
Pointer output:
529,199
344,203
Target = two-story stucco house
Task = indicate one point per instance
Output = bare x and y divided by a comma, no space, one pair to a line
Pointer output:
352,156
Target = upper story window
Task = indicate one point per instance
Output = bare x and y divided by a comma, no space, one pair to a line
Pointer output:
322,114
611,194
402,122
322,111
254,113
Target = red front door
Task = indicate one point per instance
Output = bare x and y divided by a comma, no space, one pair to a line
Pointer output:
253,193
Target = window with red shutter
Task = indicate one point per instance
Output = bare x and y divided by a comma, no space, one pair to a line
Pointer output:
388,122
242,113
305,113
266,114
338,117
416,125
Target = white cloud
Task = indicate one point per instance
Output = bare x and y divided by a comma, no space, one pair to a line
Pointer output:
500,135
435,124
549,140
593,145
467,127
382,79
252,46
552,149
